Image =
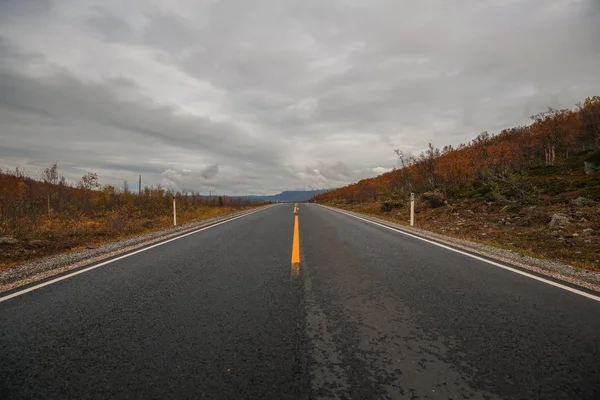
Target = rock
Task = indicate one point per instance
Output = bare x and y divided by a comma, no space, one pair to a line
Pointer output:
582,201
35,244
588,230
388,206
591,167
592,163
433,199
558,221
8,240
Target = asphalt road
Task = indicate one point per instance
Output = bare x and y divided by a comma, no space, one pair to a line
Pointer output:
367,314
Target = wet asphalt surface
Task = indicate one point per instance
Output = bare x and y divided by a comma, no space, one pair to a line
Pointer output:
373,314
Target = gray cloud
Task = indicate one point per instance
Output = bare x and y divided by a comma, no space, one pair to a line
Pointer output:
210,171
110,27
256,97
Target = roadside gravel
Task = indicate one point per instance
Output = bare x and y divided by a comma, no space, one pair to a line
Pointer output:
41,269
557,270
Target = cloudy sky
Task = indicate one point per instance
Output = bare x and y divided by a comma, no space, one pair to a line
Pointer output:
240,97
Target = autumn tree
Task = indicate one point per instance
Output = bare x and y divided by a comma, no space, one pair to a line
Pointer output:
589,132
51,175
404,174
427,164
89,181
54,180
552,128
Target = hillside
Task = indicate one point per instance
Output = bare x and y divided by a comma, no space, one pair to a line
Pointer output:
534,189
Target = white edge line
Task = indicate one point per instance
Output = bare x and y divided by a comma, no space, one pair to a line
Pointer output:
81,271
537,278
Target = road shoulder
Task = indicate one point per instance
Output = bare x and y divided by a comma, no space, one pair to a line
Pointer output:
589,280
24,274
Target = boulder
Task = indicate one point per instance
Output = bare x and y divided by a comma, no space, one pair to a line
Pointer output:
582,201
591,167
388,206
433,199
35,244
558,221
148,225
592,163
8,240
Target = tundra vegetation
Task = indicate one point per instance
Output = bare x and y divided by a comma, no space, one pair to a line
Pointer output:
534,189
43,215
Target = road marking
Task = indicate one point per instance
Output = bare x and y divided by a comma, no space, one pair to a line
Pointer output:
296,208
296,249
81,271
506,267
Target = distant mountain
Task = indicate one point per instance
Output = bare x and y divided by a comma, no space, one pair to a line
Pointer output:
290,195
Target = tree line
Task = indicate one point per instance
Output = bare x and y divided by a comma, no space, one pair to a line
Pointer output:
49,203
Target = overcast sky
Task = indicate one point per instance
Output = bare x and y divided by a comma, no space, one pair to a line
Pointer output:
255,97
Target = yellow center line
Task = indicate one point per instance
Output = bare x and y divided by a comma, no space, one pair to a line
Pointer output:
296,249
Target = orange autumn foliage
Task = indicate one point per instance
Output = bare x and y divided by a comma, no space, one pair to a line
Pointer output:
50,207
553,135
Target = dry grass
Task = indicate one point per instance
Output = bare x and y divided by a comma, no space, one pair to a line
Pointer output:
48,215
56,235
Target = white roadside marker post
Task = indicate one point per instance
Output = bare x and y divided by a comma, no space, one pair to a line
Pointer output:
174,212
412,209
